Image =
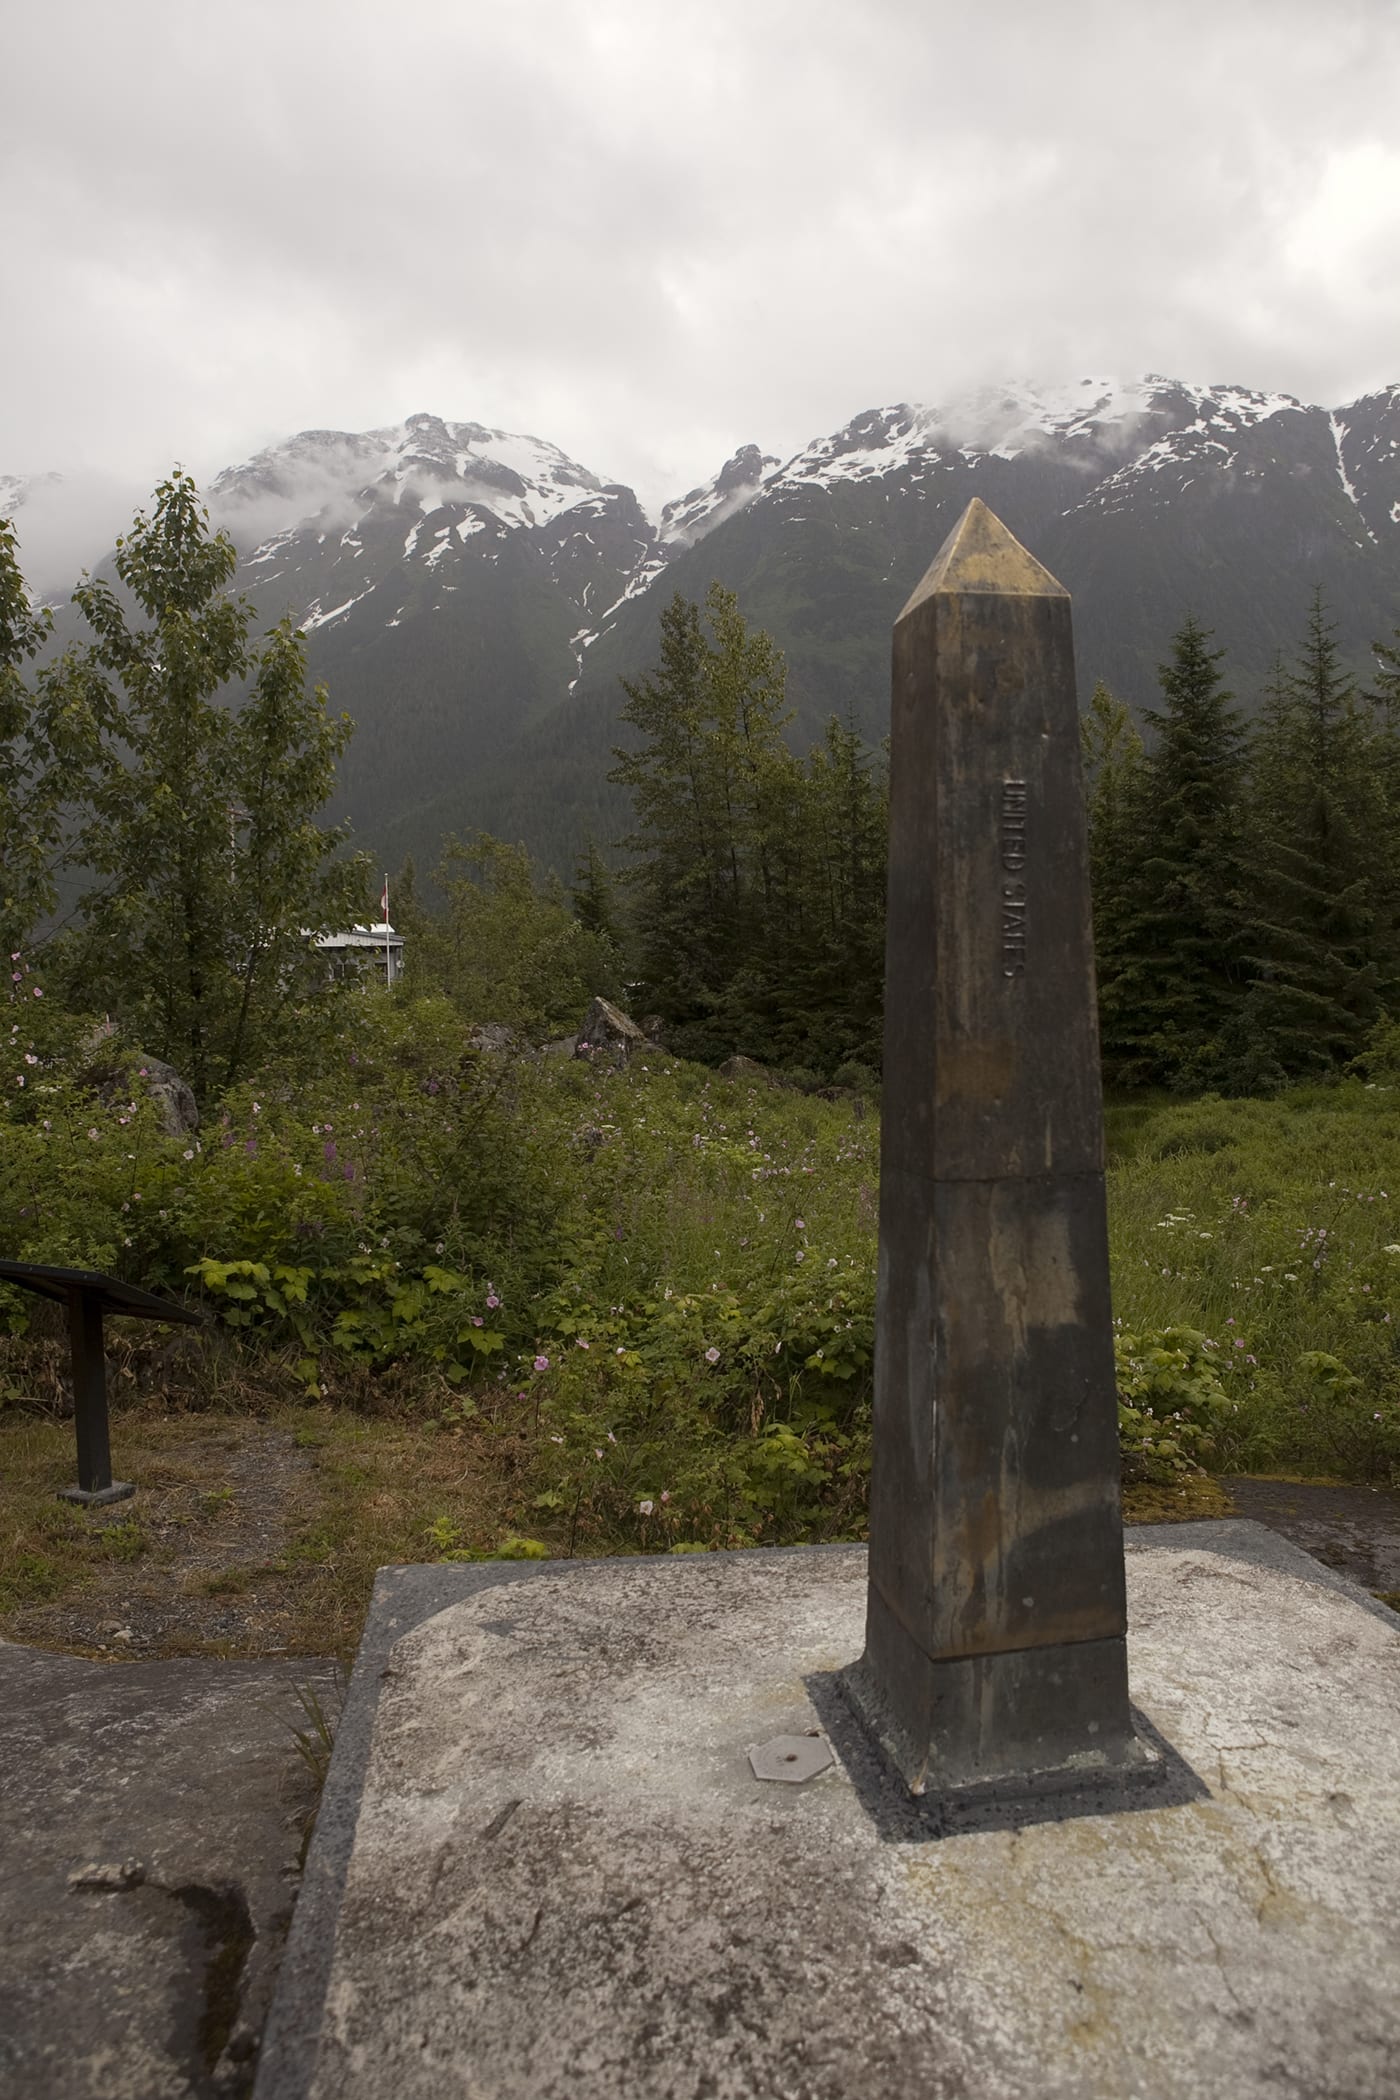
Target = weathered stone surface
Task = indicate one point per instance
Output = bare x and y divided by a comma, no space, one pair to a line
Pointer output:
152,1821
174,1102
995,1527
747,1068
608,1033
113,1071
567,1883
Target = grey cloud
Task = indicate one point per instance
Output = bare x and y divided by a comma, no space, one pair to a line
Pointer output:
653,233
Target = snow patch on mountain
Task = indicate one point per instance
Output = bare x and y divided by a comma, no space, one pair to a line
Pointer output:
738,481
334,479
1094,423
314,617
12,488
1339,432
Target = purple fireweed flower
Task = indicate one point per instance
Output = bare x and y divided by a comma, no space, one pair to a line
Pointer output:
541,1363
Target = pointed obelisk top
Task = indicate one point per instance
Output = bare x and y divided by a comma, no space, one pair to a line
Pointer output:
979,554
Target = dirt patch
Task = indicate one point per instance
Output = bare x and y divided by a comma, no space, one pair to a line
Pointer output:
248,1535
1182,1501
1353,1529
194,1564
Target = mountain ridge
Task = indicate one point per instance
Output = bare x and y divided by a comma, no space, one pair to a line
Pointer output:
472,595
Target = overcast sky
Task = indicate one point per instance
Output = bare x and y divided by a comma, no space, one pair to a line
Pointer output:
653,230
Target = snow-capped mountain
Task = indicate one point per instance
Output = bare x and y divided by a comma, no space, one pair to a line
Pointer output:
738,481
1149,499
471,596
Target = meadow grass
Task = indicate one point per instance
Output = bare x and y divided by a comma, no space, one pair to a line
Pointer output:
1272,1228
552,1307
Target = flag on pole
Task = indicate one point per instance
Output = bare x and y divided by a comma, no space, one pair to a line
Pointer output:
384,921
384,903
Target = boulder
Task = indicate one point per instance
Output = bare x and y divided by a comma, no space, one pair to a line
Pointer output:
750,1069
609,1034
174,1103
115,1072
492,1039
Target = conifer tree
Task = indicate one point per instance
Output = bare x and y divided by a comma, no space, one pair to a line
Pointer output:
1176,934
50,735
592,895
1384,699
836,977
1324,951
211,871
711,781
1113,760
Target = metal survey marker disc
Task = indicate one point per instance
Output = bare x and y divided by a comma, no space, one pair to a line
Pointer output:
791,1757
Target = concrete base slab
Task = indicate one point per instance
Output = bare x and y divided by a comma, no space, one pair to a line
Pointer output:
564,1877
115,1491
152,1818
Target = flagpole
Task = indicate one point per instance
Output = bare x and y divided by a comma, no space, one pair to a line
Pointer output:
384,902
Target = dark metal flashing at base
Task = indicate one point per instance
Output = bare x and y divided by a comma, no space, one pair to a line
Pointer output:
1156,1777
117,1491
1015,1718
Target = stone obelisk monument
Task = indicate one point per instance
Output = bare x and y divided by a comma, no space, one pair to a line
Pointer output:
995,1632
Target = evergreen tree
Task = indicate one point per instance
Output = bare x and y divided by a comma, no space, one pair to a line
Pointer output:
711,782
592,895
406,909
760,880
1384,700
50,733
837,976
1324,949
212,873
1177,934
1113,763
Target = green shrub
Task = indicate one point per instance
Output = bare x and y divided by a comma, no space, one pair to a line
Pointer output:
1171,1402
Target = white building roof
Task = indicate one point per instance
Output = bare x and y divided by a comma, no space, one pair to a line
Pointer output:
380,936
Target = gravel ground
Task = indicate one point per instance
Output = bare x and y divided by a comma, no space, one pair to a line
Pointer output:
1353,1529
217,1524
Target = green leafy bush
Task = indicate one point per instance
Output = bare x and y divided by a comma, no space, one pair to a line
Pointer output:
1170,1402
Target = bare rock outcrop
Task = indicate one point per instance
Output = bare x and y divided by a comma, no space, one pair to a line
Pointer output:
609,1035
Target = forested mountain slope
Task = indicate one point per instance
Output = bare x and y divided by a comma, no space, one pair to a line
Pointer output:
473,597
